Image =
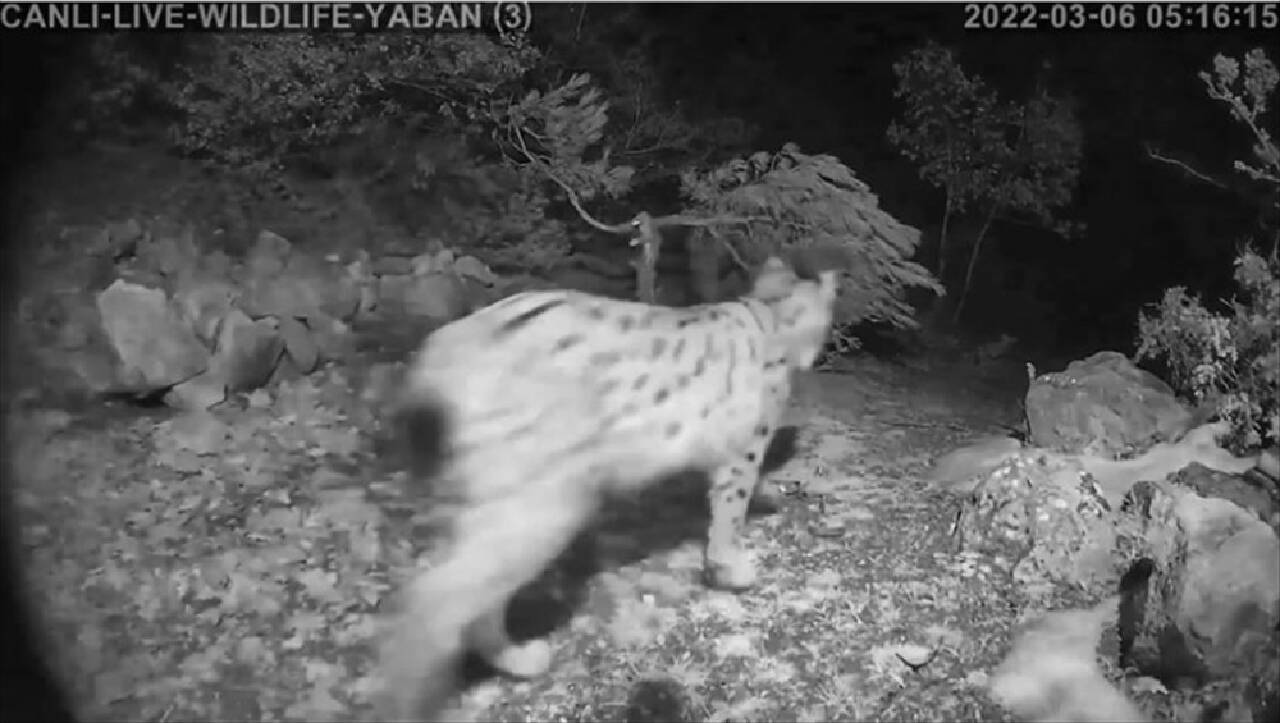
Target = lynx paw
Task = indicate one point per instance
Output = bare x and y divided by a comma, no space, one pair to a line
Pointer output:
735,573
529,659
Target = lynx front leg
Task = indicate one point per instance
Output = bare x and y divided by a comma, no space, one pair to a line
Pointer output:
728,563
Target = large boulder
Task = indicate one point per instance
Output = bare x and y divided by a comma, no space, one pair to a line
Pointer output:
1103,404
439,296
1202,596
156,346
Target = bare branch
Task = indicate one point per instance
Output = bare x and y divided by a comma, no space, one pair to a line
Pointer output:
681,220
577,31
1155,155
626,227
733,252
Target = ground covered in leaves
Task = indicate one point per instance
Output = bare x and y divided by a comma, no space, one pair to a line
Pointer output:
229,566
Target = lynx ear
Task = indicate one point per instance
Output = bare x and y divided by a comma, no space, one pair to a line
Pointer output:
775,280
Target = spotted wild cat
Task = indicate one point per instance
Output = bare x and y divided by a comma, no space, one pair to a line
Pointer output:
523,415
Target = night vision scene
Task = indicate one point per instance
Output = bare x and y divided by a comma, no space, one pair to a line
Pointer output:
653,362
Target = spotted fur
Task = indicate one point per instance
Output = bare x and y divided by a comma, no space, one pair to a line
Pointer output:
529,411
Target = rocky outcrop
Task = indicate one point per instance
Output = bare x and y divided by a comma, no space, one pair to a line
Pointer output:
1202,594
1178,532
195,328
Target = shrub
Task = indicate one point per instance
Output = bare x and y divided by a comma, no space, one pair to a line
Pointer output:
1229,359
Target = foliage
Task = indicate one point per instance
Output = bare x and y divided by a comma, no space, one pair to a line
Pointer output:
257,98
795,200
1021,159
445,126
1231,359
949,124
618,46
427,117
1247,95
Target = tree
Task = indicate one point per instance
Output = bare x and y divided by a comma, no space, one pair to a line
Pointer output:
788,200
1005,160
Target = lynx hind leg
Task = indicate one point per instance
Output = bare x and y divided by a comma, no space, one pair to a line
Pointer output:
499,547
488,638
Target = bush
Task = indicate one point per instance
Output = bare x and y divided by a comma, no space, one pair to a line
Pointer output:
1230,359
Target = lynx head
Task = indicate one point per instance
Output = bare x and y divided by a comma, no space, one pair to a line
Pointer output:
802,308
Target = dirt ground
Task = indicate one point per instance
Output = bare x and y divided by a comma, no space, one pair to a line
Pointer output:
242,584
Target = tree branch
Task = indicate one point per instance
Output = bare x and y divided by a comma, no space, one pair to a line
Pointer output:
1155,155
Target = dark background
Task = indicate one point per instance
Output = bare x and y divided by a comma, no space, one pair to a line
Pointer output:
822,76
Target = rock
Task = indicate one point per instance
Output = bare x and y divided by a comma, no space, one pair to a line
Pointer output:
510,285
368,304
1202,597
338,294
1209,482
216,265
1103,403
304,288
156,348
1199,446
470,267
199,393
125,232
392,266
198,431
247,351
961,469
1269,463
1052,673
424,264
298,344
267,257
345,300
93,369
477,294
173,254
332,338
443,259
391,293
204,304
1046,519
80,325
436,296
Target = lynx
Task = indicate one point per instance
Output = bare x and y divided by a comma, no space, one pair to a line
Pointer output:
524,415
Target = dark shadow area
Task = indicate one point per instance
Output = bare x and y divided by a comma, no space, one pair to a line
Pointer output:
658,701
663,516
28,689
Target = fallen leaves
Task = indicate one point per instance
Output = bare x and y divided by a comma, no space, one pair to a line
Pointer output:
225,565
